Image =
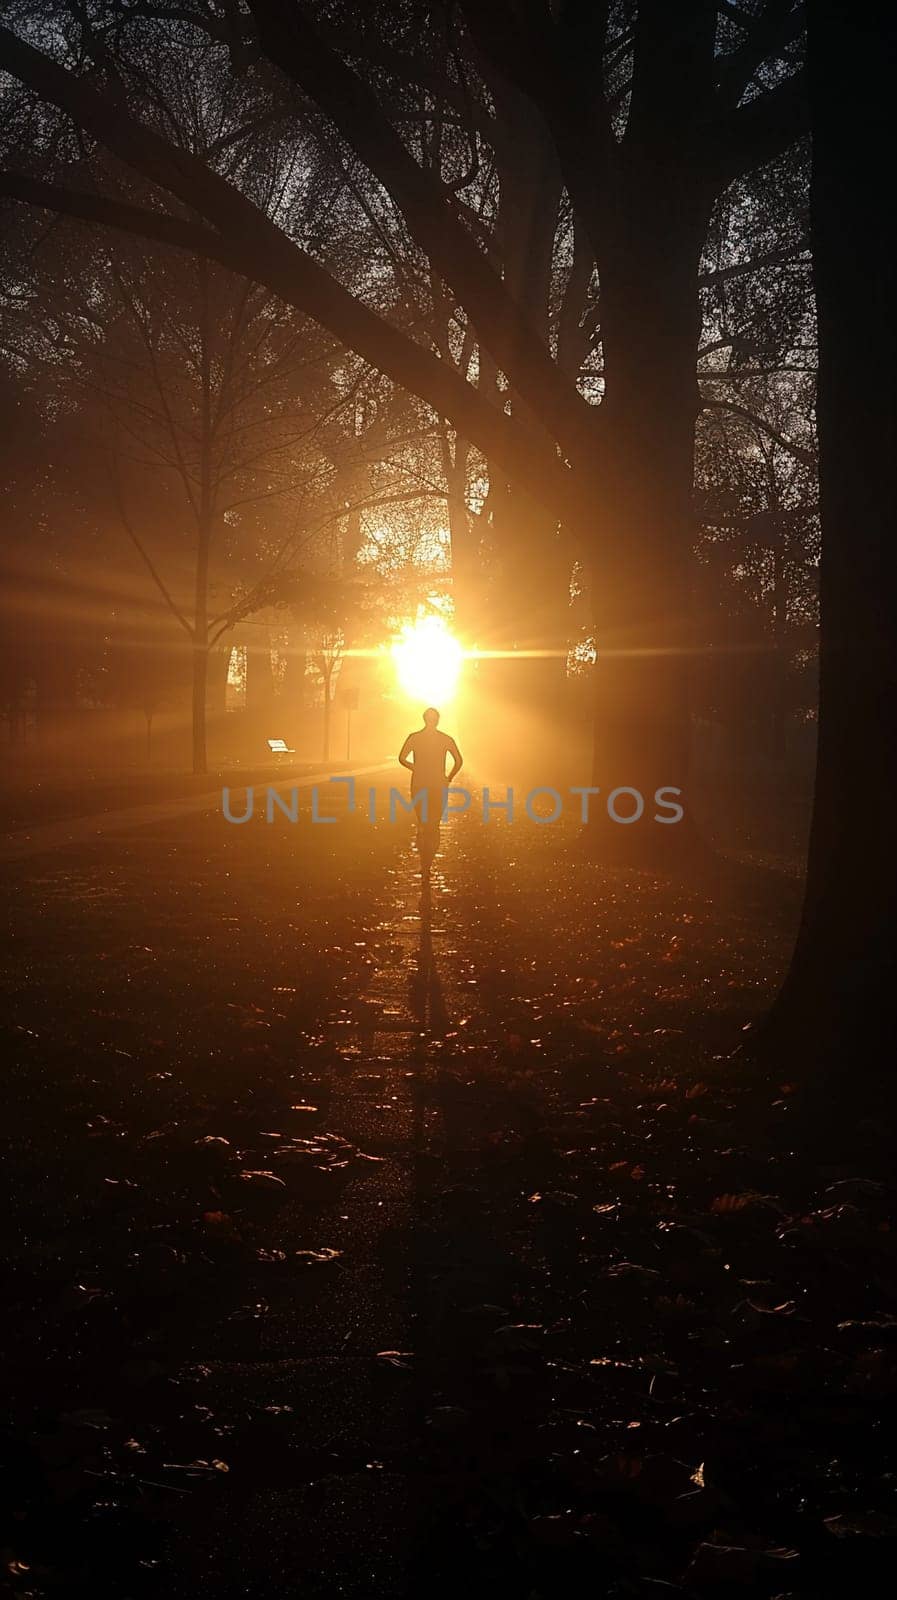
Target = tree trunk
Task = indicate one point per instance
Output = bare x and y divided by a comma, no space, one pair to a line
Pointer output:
524,689
328,708
841,982
778,661
203,542
642,601
529,602
467,572
200,669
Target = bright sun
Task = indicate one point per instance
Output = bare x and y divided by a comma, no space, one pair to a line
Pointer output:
428,661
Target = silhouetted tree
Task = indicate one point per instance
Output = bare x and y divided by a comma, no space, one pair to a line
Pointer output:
837,1002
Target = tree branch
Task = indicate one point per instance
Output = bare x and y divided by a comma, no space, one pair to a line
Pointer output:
767,35
243,239
575,113
291,43
757,132
806,457
130,530
158,226
740,269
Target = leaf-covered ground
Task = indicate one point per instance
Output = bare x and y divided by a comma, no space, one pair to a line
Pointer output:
371,1245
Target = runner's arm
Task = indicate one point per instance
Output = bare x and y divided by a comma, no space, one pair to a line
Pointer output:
457,760
404,753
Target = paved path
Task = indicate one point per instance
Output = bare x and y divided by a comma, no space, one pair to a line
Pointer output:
346,1520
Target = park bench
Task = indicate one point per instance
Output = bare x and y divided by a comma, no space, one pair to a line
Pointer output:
279,747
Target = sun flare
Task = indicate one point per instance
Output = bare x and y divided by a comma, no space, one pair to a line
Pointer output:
428,661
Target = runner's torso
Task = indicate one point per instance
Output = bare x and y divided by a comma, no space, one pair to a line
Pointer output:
429,749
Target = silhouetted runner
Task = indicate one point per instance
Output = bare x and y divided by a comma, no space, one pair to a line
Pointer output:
424,753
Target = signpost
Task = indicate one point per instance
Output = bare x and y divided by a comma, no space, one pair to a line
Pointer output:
348,699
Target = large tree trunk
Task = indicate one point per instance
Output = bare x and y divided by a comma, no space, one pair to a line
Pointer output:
841,984
641,601
529,604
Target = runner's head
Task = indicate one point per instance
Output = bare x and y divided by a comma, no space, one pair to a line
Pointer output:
431,717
